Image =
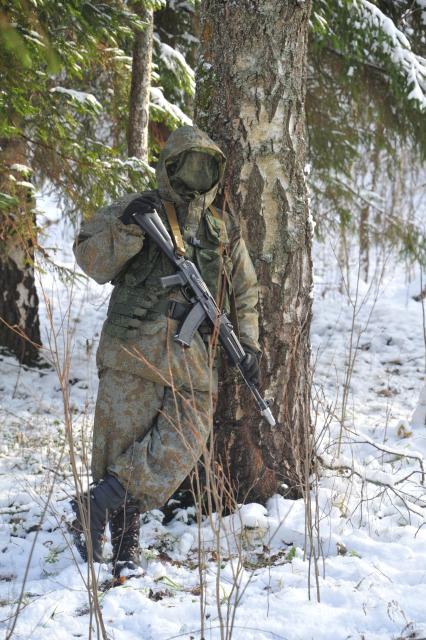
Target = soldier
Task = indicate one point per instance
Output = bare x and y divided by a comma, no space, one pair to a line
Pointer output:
154,407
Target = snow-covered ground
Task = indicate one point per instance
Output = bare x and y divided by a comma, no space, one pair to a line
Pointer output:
371,499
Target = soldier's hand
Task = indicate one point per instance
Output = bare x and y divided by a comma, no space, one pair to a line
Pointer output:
250,365
142,204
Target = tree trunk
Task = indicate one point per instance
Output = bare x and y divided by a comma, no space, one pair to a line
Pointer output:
137,133
251,100
19,321
364,242
364,222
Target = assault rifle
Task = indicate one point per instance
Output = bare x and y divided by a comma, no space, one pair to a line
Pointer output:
203,303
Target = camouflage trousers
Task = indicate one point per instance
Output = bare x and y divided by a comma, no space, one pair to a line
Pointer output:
147,435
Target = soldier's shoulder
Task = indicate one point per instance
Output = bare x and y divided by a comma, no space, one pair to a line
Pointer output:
231,222
117,207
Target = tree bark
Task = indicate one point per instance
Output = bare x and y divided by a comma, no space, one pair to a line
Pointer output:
364,241
19,321
137,133
250,99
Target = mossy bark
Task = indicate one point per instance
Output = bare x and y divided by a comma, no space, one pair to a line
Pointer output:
250,99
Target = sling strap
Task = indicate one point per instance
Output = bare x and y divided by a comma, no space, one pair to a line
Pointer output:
174,226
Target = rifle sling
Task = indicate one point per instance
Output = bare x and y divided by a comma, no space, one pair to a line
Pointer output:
174,226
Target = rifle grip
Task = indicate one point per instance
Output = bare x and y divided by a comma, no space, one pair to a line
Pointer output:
174,280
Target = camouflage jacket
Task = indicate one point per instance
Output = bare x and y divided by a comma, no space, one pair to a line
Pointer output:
137,336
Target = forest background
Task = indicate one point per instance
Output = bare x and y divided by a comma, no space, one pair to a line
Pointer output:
70,132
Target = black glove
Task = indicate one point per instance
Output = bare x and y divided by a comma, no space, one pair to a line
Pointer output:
250,365
142,204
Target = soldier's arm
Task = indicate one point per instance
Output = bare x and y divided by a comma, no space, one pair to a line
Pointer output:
244,282
104,244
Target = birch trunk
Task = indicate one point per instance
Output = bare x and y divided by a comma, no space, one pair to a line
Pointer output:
251,100
137,133
19,321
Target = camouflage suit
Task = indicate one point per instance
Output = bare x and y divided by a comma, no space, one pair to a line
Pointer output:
154,405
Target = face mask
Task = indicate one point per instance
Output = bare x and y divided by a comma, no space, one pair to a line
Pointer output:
193,173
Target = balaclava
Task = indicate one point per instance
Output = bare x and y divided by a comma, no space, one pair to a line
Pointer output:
192,173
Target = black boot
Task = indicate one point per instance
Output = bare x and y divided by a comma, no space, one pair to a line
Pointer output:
125,526
107,494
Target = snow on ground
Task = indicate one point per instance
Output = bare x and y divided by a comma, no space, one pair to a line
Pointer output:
372,581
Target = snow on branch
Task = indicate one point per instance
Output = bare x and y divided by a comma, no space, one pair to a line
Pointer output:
160,102
378,478
79,96
398,47
396,451
176,63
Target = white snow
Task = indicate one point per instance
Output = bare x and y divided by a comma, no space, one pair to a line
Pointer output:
370,500
80,96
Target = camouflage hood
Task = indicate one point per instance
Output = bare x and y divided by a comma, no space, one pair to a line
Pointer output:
180,142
